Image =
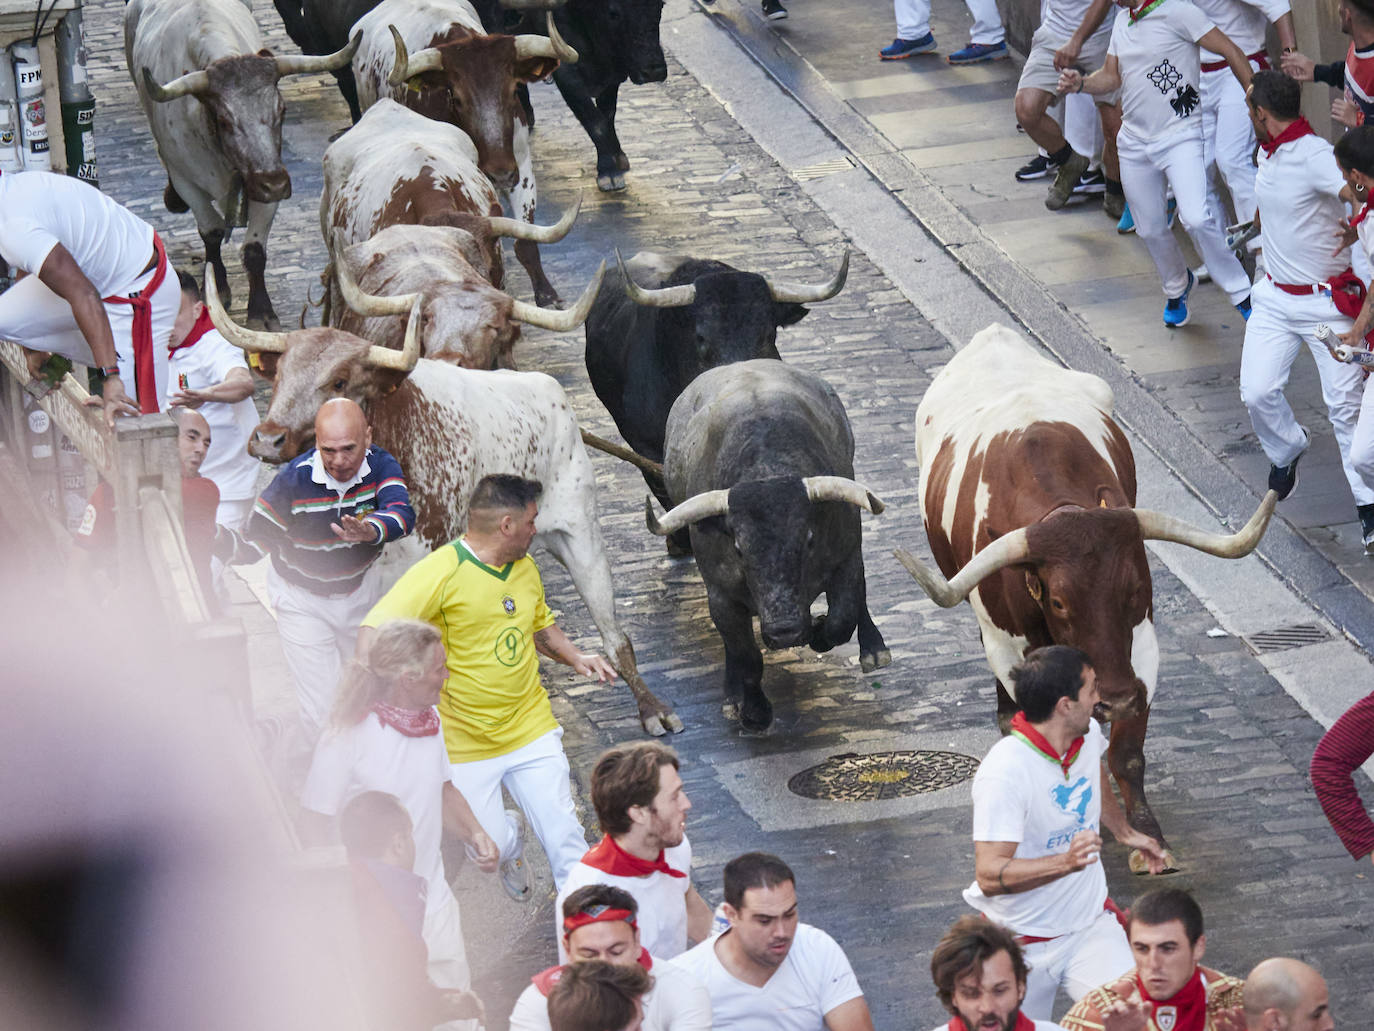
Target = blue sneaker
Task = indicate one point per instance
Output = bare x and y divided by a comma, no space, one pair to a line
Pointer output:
1172,212
976,53
1244,308
902,48
1127,223
1176,308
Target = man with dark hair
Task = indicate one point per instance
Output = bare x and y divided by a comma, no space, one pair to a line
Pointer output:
1038,799
600,923
768,969
1168,990
1286,995
484,593
980,977
642,808
596,996
1301,195
1354,76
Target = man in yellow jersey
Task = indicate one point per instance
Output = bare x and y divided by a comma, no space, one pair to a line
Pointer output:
484,594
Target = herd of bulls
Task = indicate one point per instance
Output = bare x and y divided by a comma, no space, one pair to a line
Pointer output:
1027,484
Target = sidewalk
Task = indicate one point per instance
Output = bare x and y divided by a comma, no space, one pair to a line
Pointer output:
955,130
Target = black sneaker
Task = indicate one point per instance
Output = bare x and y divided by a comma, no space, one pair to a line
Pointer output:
1367,526
1282,479
1038,167
774,11
1092,181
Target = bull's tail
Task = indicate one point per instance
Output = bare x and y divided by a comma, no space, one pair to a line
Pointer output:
623,453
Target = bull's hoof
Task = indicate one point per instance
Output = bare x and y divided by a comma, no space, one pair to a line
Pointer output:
1139,865
266,323
660,723
756,717
547,297
875,660
730,710
173,202
611,182
622,162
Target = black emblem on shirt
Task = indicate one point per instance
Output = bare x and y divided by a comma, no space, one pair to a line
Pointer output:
1165,76
1185,102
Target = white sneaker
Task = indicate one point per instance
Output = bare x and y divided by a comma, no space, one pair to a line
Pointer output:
1201,274
515,876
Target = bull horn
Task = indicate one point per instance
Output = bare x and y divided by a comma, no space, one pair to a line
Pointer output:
697,507
1005,551
1156,526
250,340
365,304
801,293
403,360
553,45
518,230
405,67
553,318
839,488
190,84
664,297
302,64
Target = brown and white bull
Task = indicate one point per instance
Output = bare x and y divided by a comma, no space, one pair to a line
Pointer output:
209,89
434,57
1028,489
448,427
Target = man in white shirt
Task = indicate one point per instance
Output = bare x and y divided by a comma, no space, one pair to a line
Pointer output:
1038,798
980,978
98,292
598,996
642,808
1301,195
601,923
1154,60
768,970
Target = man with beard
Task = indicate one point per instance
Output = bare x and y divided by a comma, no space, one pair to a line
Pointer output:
768,970
642,809
1168,990
980,977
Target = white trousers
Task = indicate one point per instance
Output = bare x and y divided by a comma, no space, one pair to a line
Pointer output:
34,317
1148,171
1280,323
448,957
1228,143
537,777
1077,962
1362,443
913,20
318,635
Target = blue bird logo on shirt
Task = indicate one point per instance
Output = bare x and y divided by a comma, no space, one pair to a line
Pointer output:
1073,799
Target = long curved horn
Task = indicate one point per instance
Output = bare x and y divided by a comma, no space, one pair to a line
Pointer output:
365,304
189,84
699,506
300,64
664,297
1156,526
518,230
840,488
249,339
553,318
1005,551
801,293
403,360
553,45
405,67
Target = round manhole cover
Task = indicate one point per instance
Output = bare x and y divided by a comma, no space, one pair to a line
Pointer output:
866,778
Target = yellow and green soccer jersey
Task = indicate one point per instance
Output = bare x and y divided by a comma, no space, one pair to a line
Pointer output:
493,702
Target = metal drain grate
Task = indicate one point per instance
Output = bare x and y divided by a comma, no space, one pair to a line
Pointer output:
821,169
865,778
1285,637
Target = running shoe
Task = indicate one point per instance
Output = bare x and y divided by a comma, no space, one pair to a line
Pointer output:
774,11
1114,204
1201,273
515,875
1038,167
1091,181
1367,526
903,48
1244,308
977,53
1176,308
1284,478
1127,222
1068,176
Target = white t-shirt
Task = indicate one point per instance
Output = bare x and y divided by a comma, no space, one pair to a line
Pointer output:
1160,68
1065,17
1040,1025
1365,228
110,244
205,364
1298,190
676,1002
374,757
1244,22
1021,795
814,979
662,901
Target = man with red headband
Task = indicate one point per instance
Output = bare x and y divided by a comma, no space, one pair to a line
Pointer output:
642,808
601,923
1168,990
99,293
980,977
1038,799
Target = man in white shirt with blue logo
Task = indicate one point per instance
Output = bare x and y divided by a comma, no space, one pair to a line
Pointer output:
1039,797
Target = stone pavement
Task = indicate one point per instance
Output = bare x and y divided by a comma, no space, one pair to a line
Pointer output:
1229,747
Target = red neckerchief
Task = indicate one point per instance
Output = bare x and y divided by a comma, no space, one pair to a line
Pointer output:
608,857
1021,728
141,335
1137,13
1364,212
203,325
1188,1008
1023,1023
410,722
1295,130
546,979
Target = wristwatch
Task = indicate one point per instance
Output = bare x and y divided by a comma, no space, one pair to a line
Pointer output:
106,371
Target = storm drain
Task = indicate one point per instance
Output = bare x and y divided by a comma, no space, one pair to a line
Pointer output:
1286,637
822,169
878,775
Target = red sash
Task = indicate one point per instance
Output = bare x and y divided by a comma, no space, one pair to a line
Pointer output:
1186,1011
410,722
203,325
608,857
1021,728
546,979
1296,130
142,303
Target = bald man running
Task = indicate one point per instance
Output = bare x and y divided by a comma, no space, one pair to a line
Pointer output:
1286,995
324,521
